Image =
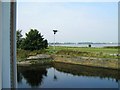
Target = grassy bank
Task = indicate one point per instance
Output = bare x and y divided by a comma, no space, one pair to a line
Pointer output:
23,54
99,57
85,51
88,61
108,52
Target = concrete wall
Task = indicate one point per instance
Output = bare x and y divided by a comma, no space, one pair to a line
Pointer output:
0,45
6,82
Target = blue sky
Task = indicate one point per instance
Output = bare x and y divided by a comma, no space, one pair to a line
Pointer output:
75,21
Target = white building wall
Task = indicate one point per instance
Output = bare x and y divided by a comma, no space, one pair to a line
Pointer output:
0,46
6,45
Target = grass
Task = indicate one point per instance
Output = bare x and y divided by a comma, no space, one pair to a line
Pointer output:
71,51
23,54
85,51
98,57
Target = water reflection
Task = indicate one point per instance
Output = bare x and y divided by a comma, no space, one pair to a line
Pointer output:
80,70
42,76
32,74
19,77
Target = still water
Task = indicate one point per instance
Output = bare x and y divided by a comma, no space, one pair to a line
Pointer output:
59,75
100,45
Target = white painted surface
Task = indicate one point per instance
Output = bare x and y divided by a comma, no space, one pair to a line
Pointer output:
6,45
0,45
5,75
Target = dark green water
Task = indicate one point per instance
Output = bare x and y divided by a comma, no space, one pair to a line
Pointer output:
59,75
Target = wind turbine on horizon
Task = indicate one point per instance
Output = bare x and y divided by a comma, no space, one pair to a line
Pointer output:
54,31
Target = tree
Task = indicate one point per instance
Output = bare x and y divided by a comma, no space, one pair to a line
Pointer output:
19,38
34,41
45,43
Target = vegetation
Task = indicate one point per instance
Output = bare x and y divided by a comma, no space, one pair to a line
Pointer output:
70,51
85,51
19,38
33,41
35,44
98,57
23,54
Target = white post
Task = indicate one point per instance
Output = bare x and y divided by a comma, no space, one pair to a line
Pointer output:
0,45
6,82
54,41
54,31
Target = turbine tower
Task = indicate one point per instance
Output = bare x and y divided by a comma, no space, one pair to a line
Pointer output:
54,31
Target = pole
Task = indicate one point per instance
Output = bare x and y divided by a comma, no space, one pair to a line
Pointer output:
13,64
54,42
54,31
0,46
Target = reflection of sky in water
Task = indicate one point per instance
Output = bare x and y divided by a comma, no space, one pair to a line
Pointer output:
23,84
57,79
67,80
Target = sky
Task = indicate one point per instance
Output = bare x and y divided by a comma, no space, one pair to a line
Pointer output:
75,21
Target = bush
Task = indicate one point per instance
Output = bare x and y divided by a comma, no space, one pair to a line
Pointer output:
34,41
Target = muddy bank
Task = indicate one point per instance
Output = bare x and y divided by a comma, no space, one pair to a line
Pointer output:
88,61
35,62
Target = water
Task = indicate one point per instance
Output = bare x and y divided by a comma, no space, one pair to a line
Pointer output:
86,45
61,75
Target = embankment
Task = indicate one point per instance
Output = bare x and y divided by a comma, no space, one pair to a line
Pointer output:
88,61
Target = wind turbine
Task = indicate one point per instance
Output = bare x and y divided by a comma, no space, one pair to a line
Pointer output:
54,31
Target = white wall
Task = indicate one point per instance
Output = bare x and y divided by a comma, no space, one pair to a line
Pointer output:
0,46
6,45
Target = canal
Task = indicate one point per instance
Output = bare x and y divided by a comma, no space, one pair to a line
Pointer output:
60,75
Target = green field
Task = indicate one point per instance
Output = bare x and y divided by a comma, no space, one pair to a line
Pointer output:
86,49
96,57
108,52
